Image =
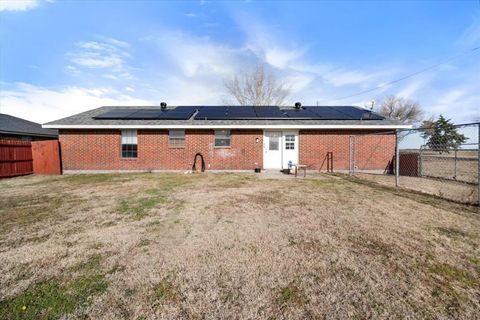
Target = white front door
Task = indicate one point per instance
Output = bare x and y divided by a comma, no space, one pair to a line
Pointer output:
272,150
280,148
290,148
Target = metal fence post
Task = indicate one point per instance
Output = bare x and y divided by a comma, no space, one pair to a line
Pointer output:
397,160
350,155
455,165
478,165
420,161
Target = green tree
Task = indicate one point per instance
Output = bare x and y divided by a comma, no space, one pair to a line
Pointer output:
442,135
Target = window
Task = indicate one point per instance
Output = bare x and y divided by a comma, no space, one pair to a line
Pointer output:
289,142
274,140
273,143
222,138
129,143
176,138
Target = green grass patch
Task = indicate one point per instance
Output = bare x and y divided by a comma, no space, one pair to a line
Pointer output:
452,232
166,290
290,295
98,178
377,306
138,205
231,180
451,273
25,210
58,297
144,243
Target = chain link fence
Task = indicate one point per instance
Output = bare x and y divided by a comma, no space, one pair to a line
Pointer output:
441,162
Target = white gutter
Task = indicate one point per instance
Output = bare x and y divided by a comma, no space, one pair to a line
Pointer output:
230,126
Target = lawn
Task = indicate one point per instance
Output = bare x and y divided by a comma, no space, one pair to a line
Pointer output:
143,246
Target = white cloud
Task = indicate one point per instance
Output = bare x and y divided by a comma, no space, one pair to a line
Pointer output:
298,82
109,55
279,57
18,5
42,104
197,56
263,42
411,88
471,36
342,77
460,103
93,54
91,60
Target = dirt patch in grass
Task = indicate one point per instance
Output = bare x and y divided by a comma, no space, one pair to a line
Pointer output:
149,246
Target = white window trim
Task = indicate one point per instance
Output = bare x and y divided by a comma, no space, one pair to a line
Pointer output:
128,137
228,137
172,139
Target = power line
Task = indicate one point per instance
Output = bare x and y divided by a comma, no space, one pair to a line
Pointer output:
407,76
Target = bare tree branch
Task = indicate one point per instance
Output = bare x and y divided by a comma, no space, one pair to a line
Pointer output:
257,88
403,110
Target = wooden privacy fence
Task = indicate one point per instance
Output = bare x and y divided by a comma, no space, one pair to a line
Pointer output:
46,157
24,157
15,158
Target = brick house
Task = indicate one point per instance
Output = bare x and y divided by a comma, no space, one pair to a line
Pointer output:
227,138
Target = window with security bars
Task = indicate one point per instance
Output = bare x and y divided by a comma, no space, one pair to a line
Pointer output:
222,138
176,138
129,143
289,142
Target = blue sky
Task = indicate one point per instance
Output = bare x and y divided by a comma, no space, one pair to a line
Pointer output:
58,58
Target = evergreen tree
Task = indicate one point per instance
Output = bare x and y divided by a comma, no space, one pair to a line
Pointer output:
442,135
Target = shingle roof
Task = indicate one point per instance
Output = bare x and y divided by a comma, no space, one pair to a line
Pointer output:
17,126
87,119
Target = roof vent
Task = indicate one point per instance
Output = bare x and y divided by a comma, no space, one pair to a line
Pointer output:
163,105
298,105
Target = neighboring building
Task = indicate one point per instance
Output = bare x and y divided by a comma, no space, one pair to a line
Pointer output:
228,138
13,128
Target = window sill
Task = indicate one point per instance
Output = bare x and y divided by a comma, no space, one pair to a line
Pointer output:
128,159
222,147
176,147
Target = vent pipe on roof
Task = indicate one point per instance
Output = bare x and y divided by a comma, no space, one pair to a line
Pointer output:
163,105
298,105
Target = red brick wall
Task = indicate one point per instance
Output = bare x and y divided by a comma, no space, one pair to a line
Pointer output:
101,150
373,151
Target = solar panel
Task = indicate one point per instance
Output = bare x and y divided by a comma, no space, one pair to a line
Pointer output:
241,112
344,113
329,113
300,114
115,114
143,114
211,113
359,114
269,112
179,113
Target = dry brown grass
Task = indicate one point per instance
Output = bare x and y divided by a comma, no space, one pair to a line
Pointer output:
145,246
446,189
